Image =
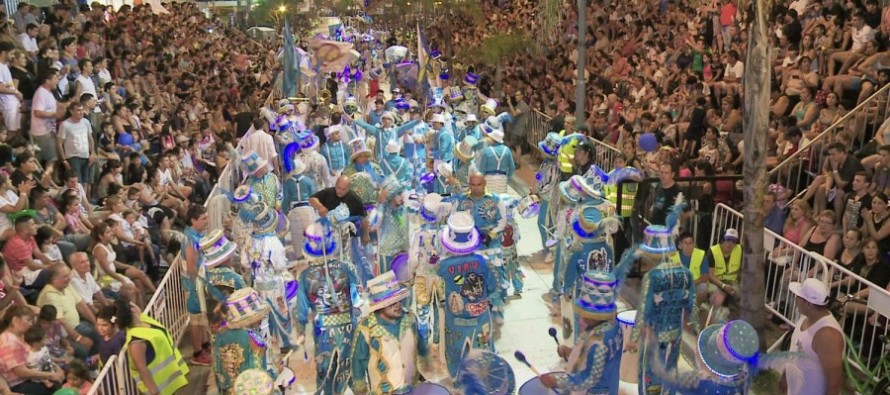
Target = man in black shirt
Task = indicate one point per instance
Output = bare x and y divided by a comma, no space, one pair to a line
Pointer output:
665,195
835,181
330,198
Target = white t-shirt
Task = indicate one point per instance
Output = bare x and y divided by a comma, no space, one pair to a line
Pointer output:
735,71
860,37
166,177
104,76
7,100
8,199
75,138
28,43
85,287
87,85
46,102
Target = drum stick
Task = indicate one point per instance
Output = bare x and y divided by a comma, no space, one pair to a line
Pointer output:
521,358
552,332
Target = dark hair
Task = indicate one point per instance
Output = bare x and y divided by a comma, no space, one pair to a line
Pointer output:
79,370
16,311
44,233
123,313
34,334
48,313
83,62
586,148
840,147
684,236
195,211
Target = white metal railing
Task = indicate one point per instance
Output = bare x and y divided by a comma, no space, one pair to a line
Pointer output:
604,154
168,306
795,172
787,262
537,128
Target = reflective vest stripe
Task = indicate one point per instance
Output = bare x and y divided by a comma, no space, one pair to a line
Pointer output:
168,369
695,261
730,273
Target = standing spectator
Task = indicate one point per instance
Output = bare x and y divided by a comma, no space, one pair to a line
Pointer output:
196,220
45,110
29,41
818,336
857,200
521,115
10,97
260,141
75,145
14,353
665,194
727,21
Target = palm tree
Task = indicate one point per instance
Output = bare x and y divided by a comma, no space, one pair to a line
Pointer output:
757,90
495,49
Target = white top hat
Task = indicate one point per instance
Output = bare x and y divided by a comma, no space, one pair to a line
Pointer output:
393,147
332,129
472,118
497,135
438,118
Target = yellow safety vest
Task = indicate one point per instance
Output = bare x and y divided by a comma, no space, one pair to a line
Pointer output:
695,261
628,196
567,154
723,272
168,370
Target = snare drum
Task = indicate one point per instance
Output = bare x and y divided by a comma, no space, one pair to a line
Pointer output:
429,389
630,361
534,387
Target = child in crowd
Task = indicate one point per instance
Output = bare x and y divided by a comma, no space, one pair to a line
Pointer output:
111,338
38,355
46,240
78,377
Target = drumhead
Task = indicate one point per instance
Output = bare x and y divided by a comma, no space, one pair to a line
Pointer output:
534,387
628,317
429,389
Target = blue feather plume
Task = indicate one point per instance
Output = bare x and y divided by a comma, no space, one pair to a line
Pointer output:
624,173
504,117
290,151
625,264
673,217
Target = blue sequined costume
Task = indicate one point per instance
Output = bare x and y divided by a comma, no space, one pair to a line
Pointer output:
593,368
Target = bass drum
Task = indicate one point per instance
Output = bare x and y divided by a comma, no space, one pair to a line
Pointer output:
429,389
534,387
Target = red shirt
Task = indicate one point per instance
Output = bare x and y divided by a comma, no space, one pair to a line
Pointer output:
13,353
727,14
18,251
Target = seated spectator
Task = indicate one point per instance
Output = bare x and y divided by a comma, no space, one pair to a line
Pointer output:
875,268
111,174
875,222
56,339
113,274
78,377
46,243
26,262
773,215
851,258
12,200
823,239
73,313
836,178
38,356
83,281
112,339
14,354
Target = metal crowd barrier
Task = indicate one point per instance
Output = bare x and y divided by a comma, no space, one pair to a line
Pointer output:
797,171
605,154
537,128
787,262
168,306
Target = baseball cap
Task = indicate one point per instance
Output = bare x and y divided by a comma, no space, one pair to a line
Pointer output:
812,290
731,234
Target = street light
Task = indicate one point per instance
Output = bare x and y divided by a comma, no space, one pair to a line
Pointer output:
282,8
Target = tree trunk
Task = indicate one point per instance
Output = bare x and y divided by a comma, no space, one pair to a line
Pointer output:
580,89
756,92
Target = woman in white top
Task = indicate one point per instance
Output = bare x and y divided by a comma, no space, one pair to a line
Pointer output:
12,200
112,273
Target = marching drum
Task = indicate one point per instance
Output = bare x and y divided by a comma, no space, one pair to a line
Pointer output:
429,389
630,361
529,206
534,387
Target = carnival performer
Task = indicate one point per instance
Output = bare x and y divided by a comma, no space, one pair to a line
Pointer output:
471,95
546,182
490,219
386,131
570,195
465,152
265,257
387,343
360,162
393,232
668,293
414,142
513,270
238,345
326,289
446,184
261,181
424,255
394,165
594,362
218,251
470,286
316,164
726,359
469,127
496,163
298,188
335,152
442,150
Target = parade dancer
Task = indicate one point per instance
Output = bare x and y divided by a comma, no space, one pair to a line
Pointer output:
298,188
326,289
238,344
668,293
335,152
396,166
512,268
470,286
570,196
265,257
261,182
218,251
424,255
414,142
387,343
472,98
316,164
546,181
442,150
469,127
594,362
496,163
393,233
365,178
385,132
465,152
446,184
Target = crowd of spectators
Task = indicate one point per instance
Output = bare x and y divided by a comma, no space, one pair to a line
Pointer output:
113,124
